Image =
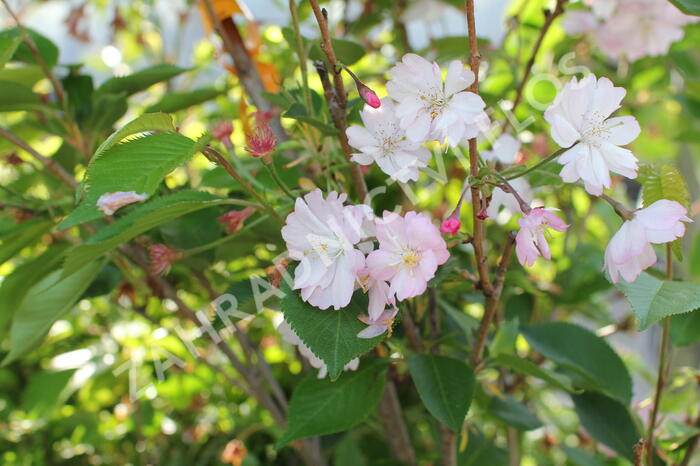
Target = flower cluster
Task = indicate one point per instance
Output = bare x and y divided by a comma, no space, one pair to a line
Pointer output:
328,239
422,107
630,29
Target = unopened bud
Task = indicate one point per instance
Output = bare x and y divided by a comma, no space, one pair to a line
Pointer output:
482,215
262,141
223,133
233,220
368,95
450,225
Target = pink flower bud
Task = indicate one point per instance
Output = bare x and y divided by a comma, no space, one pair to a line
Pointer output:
111,202
223,133
482,215
262,142
450,225
162,257
233,220
368,95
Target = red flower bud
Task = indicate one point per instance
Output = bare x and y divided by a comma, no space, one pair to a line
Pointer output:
233,220
162,257
368,95
223,133
482,215
450,225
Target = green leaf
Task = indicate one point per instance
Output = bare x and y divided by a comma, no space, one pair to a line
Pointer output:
446,386
346,51
348,453
689,7
174,101
45,303
513,413
653,299
504,341
25,234
106,109
685,328
45,390
481,451
145,123
580,457
13,287
15,97
139,220
527,367
331,335
579,349
608,421
47,49
141,80
136,165
8,47
320,407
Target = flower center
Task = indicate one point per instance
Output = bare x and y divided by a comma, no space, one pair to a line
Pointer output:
409,258
435,103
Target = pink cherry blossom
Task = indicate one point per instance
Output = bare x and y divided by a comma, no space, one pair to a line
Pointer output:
581,113
531,241
111,202
630,252
322,234
450,225
429,109
410,251
383,142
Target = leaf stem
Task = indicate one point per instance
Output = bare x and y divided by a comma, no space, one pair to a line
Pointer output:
220,241
275,176
542,162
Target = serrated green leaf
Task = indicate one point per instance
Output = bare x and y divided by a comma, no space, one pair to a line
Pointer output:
136,165
13,287
174,101
527,367
144,123
46,302
23,235
15,97
513,413
579,349
445,385
331,335
689,7
608,421
141,219
653,299
141,80
8,47
320,407
663,182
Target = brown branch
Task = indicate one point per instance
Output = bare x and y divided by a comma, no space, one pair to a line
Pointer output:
492,302
337,99
549,17
245,66
47,162
396,432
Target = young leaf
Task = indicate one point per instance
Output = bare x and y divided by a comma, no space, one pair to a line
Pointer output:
504,341
320,407
653,299
47,49
141,80
141,219
137,165
445,385
513,413
608,421
527,367
331,335
45,303
8,47
174,101
579,349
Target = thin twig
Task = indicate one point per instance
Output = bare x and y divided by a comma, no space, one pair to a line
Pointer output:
47,162
491,302
337,99
661,375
